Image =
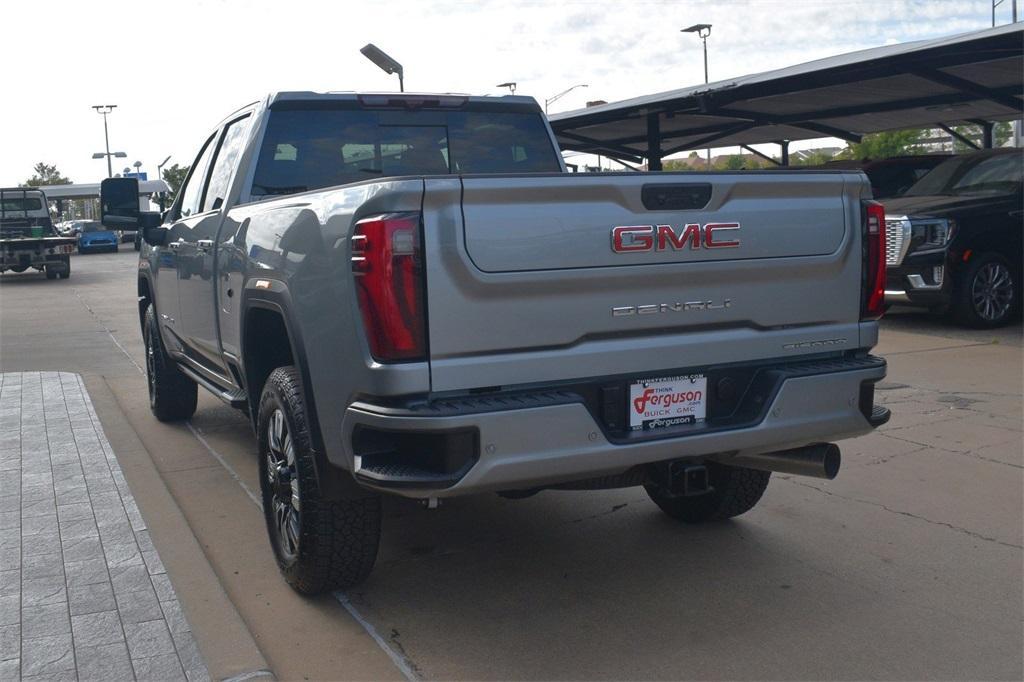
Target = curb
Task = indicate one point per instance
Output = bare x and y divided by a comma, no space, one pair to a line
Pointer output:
225,642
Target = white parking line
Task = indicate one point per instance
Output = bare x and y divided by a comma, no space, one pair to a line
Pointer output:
400,661
234,474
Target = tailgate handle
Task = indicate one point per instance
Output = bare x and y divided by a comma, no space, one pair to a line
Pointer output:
676,196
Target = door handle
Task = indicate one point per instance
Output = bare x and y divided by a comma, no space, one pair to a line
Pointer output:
204,244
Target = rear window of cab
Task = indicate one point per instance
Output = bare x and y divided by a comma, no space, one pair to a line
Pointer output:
307,149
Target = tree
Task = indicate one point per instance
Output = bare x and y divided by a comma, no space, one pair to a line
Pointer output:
676,165
46,174
814,158
734,162
885,145
1000,134
174,176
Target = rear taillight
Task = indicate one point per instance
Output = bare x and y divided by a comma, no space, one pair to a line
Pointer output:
388,268
873,299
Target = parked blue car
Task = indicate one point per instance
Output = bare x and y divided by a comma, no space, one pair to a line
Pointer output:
95,237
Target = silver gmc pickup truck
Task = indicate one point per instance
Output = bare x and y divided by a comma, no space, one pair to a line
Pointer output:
409,295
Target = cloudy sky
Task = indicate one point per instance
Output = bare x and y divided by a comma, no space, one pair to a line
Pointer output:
176,68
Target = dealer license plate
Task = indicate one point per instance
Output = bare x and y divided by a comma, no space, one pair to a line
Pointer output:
671,401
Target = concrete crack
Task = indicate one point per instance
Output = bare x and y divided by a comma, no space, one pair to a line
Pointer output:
969,453
899,512
614,509
932,350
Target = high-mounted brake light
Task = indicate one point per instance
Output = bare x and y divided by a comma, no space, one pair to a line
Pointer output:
873,301
388,268
413,101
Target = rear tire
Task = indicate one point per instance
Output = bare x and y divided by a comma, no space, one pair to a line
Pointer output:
50,272
987,293
319,544
735,491
172,395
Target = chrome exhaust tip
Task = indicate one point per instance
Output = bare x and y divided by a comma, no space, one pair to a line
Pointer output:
820,460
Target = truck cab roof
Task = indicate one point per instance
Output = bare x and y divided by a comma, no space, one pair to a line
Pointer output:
412,99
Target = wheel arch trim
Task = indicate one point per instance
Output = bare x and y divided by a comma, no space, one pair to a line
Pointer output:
274,295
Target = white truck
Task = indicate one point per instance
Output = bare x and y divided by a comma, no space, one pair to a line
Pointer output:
28,238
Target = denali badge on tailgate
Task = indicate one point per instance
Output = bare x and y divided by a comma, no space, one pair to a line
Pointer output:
630,238
678,307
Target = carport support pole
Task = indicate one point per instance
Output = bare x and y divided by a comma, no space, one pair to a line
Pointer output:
986,134
784,146
653,142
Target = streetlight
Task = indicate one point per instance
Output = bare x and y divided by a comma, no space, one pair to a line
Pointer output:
106,109
160,167
138,168
116,155
381,59
511,85
702,31
562,94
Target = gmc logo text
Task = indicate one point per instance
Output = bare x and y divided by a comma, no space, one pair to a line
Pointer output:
639,238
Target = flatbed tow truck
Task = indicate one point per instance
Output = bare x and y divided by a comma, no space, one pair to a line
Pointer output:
28,238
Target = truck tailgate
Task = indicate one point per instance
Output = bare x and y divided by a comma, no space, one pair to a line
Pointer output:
531,282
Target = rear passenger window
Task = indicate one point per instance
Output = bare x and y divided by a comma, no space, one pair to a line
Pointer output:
227,158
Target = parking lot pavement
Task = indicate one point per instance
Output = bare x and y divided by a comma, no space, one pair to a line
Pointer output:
908,565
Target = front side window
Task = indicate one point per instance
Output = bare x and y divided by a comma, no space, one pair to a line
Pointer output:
963,175
192,190
306,149
995,175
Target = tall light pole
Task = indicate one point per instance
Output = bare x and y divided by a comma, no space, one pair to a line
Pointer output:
160,168
511,85
1013,13
702,31
552,100
106,109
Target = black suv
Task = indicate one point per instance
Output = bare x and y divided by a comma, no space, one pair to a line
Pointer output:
953,240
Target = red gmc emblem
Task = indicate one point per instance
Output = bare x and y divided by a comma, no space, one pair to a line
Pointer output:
630,238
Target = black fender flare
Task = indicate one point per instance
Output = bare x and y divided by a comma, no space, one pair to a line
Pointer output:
273,295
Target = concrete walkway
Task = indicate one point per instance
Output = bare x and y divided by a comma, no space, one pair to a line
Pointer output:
83,593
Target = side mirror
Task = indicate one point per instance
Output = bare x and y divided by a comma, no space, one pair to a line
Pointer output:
155,236
119,203
119,210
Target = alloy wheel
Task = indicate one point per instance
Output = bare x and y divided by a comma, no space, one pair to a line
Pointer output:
992,292
283,481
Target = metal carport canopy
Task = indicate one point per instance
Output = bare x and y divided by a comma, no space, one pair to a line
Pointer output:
973,77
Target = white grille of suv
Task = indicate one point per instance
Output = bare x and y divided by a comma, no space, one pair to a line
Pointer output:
897,239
